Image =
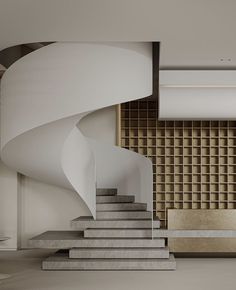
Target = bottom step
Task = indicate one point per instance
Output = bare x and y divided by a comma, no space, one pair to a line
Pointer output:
61,261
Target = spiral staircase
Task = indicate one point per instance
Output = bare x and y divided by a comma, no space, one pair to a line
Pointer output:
44,96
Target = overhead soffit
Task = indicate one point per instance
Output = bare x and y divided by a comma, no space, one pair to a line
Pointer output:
193,34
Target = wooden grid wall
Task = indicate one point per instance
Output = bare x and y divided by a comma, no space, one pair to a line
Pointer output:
194,162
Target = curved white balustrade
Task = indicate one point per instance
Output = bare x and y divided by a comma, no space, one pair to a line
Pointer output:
45,94
128,171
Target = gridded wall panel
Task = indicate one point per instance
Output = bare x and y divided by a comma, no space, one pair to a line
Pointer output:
194,162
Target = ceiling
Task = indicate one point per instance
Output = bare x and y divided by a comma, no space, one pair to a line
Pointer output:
194,34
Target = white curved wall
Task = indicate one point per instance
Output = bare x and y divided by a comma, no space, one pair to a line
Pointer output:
46,93
101,125
121,168
78,77
44,207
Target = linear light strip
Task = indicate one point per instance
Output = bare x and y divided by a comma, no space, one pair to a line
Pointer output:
197,86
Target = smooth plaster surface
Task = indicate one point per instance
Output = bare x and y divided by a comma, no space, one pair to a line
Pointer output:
192,33
194,274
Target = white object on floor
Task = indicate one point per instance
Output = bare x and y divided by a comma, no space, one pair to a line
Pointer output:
4,276
2,239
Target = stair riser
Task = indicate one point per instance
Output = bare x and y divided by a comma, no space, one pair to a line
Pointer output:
115,224
106,191
119,254
97,243
120,206
114,265
90,233
115,199
124,215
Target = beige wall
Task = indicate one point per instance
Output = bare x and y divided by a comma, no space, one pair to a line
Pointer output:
8,207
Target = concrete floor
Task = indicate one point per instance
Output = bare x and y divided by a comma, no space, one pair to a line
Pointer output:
191,274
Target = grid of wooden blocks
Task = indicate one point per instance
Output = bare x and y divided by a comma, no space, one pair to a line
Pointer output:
194,162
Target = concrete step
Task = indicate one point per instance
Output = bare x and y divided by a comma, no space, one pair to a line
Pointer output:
61,261
121,206
121,253
88,222
75,239
118,233
106,191
123,215
115,198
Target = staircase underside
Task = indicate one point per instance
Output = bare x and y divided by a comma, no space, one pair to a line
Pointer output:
120,239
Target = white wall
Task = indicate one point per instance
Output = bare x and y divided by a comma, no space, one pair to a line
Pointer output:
8,207
45,207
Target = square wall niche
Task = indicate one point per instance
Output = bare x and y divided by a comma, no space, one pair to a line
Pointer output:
194,162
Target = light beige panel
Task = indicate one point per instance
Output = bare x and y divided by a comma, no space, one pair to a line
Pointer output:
202,219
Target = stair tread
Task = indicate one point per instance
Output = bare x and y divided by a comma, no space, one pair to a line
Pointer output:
106,188
71,235
122,249
90,218
112,203
65,255
67,235
127,211
122,203
72,239
118,195
59,235
118,229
